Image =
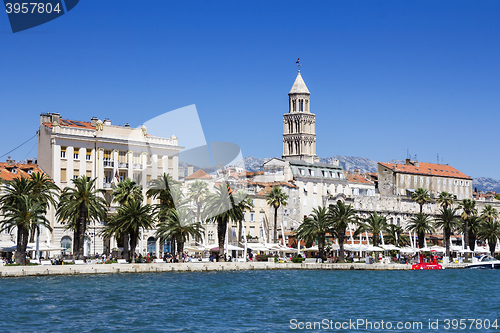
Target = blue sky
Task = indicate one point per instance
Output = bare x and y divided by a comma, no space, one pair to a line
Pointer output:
385,76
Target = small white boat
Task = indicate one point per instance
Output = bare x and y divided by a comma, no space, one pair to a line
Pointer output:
485,262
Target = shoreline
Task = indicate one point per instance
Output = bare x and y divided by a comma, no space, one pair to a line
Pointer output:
22,271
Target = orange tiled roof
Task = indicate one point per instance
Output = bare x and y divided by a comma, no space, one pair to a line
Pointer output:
72,123
21,170
431,169
357,178
200,174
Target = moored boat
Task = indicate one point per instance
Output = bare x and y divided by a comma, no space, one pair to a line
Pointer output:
485,262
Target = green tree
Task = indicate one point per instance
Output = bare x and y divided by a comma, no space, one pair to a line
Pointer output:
490,231
221,208
447,220
474,225
178,224
395,235
132,216
244,202
22,214
468,207
373,224
421,196
445,199
420,224
79,205
124,193
489,213
276,198
341,216
45,191
315,227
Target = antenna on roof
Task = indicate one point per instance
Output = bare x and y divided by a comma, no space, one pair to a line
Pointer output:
408,153
438,158
415,157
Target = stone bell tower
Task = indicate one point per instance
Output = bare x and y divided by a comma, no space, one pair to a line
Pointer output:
299,133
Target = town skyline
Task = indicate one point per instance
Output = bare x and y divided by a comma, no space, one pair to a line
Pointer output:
384,79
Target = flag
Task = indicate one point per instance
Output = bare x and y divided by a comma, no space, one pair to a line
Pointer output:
117,176
298,61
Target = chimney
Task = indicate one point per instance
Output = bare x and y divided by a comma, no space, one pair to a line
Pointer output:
107,121
408,161
10,161
93,121
190,170
56,118
415,163
127,125
45,118
357,171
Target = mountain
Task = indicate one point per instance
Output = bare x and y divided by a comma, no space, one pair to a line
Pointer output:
486,184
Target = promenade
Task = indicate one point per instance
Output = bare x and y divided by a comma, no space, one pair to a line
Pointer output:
21,271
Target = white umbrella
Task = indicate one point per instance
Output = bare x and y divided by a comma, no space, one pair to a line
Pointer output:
45,247
311,249
438,248
372,248
408,250
389,247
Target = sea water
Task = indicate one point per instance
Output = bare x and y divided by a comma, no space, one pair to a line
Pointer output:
255,301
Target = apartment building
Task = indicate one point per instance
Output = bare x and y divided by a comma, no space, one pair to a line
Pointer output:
68,149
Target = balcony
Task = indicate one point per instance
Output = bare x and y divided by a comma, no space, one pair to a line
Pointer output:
137,166
109,164
123,165
107,185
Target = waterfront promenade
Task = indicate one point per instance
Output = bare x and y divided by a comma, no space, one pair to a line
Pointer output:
20,271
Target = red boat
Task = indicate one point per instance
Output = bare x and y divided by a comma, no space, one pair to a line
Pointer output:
431,264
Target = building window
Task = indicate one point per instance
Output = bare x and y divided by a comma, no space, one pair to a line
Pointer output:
88,155
63,152
428,180
314,188
444,181
252,217
402,178
302,172
408,178
439,181
75,156
210,235
421,180
252,231
415,179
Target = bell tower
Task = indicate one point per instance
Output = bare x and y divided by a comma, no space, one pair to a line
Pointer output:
299,132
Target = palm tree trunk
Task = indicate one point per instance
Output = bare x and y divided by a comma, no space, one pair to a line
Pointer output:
275,238
421,237
341,246
133,245
22,242
221,235
181,249
81,235
125,246
492,243
472,242
466,235
446,233
321,247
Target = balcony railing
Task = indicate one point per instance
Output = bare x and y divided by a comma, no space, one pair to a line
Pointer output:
137,166
107,185
109,164
123,165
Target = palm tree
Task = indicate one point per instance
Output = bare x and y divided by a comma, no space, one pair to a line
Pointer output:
489,213
124,193
447,219
474,227
373,224
166,190
468,207
131,218
222,208
163,189
421,224
276,198
43,190
178,224
23,214
341,215
445,199
242,199
198,193
395,235
490,231
421,196
315,227
78,206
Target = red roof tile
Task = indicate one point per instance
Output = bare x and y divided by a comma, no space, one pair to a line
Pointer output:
72,123
21,170
431,169
200,174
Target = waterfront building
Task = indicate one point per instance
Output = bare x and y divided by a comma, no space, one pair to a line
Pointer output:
68,149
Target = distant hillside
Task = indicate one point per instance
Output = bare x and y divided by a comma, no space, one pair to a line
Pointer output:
486,184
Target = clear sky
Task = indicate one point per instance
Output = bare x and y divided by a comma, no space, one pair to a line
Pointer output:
385,76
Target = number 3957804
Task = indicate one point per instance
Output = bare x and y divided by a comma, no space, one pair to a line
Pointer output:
31,7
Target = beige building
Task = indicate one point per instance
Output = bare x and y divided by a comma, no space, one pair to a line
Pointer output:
68,149
404,179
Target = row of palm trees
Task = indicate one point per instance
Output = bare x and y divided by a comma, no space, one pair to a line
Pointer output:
336,219
25,203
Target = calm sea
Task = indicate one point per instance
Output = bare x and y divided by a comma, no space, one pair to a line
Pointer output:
254,301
